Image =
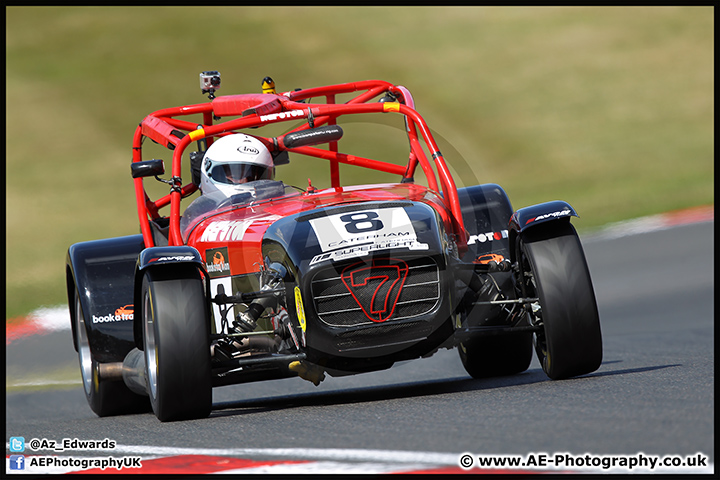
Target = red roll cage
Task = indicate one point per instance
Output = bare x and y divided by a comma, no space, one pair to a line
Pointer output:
255,110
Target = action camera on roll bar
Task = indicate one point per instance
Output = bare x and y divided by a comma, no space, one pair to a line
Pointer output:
210,82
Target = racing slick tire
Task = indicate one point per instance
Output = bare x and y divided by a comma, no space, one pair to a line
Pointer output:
554,269
497,355
105,397
175,319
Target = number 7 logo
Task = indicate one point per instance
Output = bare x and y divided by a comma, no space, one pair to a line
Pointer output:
376,287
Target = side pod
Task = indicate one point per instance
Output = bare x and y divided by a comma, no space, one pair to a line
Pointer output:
156,258
486,210
102,272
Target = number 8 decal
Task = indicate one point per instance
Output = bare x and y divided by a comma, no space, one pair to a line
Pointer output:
378,228
361,222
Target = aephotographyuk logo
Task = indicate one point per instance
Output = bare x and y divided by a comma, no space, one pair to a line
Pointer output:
17,462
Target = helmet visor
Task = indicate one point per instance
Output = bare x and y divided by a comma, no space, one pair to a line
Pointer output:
238,173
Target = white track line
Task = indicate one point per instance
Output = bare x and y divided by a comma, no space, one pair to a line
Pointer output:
335,454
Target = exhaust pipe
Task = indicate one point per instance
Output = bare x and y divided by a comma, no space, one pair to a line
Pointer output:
110,371
133,371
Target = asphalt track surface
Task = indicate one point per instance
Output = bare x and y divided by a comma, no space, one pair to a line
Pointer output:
653,394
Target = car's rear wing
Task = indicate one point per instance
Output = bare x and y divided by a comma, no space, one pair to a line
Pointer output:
256,110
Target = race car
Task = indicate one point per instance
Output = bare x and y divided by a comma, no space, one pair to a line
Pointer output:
258,279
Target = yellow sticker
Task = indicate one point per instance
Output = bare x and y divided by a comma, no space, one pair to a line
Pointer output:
391,107
197,134
299,308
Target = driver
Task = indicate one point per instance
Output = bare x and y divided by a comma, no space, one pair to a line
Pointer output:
236,168
232,162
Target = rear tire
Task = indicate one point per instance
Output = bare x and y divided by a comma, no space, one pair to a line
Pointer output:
176,342
497,355
486,211
105,397
554,269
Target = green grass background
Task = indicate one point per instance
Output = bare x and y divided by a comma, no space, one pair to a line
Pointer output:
608,108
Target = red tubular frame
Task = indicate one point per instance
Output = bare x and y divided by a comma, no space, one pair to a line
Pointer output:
263,109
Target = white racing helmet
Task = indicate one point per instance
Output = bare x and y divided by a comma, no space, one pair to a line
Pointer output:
233,161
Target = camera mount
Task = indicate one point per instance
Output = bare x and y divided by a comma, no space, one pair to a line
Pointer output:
210,82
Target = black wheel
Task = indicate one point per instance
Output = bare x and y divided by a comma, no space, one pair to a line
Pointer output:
176,342
554,269
496,355
105,397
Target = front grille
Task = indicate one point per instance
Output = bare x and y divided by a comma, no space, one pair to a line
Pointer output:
340,303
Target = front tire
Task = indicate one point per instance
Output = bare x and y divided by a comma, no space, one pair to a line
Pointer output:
554,269
105,397
176,342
